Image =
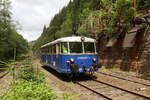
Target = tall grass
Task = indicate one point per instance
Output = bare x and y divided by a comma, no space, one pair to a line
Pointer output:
30,84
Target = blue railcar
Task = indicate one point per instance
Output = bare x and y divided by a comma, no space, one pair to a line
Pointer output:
70,55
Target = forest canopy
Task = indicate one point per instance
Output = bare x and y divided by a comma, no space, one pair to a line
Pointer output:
92,18
10,40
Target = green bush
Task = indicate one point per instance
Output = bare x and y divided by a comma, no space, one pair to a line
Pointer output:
26,90
30,74
29,84
4,66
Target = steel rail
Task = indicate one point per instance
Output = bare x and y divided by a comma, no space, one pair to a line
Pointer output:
94,91
143,96
133,76
4,74
123,78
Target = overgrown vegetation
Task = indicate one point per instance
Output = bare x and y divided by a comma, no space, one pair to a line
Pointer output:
25,90
3,66
10,40
143,5
92,18
30,84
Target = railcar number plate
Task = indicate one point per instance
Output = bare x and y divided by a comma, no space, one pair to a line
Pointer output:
83,58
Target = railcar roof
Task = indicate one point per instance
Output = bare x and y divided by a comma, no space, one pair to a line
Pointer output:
69,39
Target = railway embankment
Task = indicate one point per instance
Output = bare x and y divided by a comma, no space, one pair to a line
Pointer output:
26,81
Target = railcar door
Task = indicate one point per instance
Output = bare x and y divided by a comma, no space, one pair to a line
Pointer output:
58,58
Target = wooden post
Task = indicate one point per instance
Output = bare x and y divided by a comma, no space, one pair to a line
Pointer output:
14,54
135,4
134,7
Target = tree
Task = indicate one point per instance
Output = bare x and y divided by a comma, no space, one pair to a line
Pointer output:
91,17
9,38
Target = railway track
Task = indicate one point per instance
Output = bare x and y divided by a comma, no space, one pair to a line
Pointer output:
94,91
4,74
103,90
138,77
122,78
110,92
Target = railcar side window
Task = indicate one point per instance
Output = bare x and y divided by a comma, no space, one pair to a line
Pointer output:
64,47
89,47
57,48
54,49
46,50
42,50
50,50
75,47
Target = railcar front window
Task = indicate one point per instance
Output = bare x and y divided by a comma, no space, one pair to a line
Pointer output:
89,47
64,47
75,47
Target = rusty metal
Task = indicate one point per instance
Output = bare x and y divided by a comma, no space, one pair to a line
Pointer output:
94,91
130,37
4,74
129,40
123,78
143,78
135,29
111,42
113,86
117,87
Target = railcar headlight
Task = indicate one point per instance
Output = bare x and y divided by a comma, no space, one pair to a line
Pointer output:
94,59
67,62
82,38
71,60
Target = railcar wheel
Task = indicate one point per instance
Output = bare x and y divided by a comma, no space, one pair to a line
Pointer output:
91,72
77,74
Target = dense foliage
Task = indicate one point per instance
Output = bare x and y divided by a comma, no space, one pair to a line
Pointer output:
25,90
143,5
91,18
9,38
29,84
